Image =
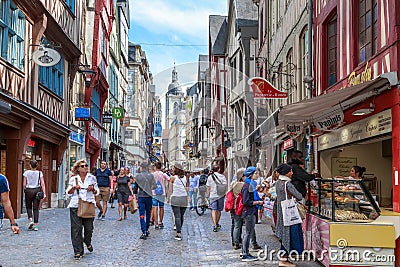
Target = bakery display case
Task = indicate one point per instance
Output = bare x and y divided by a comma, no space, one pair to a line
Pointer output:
343,200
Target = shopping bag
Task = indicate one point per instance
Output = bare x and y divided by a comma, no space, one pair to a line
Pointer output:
133,206
290,211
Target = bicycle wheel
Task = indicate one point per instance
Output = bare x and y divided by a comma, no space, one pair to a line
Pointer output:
200,206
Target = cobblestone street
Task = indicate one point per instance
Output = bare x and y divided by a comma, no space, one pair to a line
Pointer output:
117,243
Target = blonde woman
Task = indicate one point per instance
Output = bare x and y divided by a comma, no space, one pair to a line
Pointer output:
81,185
33,183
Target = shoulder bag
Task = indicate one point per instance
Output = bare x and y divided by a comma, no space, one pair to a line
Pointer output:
40,194
86,209
290,211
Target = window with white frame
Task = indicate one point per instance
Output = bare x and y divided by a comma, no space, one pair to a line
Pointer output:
12,27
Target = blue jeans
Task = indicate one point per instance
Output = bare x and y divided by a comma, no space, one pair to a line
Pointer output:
144,204
193,198
250,221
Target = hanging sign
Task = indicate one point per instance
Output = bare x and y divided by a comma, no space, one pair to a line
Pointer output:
118,113
46,57
82,114
107,117
293,129
329,119
263,89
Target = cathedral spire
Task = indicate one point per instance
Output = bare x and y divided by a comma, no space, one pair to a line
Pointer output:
174,74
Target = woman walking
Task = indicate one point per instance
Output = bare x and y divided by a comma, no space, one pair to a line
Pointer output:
179,198
124,190
291,237
33,183
82,185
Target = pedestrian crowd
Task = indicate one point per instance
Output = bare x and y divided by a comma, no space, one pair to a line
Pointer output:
151,187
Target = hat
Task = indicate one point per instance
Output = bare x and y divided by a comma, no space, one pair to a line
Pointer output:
249,171
283,169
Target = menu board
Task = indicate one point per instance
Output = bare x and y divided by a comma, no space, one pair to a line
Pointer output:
341,166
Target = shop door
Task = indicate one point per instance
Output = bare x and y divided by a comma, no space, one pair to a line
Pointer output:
46,165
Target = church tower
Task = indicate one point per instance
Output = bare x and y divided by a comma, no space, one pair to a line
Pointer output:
174,99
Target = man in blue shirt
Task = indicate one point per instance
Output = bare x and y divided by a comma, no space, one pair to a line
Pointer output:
104,180
5,200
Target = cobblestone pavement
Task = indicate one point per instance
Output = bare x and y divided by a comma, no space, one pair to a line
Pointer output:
117,243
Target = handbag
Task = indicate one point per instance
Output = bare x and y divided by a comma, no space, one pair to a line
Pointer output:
302,210
86,209
290,211
221,188
40,194
133,206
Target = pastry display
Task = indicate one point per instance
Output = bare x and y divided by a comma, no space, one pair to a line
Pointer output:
347,215
346,199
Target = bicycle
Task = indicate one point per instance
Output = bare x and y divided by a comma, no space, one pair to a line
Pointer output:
202,204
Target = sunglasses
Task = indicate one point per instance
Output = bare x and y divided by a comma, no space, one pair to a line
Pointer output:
83,166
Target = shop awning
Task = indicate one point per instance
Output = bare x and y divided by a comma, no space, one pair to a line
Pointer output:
306,111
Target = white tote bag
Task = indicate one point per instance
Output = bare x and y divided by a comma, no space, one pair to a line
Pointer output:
290,212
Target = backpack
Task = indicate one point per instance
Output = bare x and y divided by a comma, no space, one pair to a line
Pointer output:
203,180
221,188
239,205
230,201
159,189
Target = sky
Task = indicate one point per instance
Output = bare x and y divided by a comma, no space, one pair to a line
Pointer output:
173,22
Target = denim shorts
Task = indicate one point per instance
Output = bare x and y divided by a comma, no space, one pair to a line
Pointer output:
217,204
158,201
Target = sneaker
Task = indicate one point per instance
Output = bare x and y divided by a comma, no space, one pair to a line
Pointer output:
259,221
90,248
30,226
35,228
178,237
161,226
147,233
215,228
256,247
174,227
99,215
143,236
237,246
77,257
219,226
156,227
249,258
103,217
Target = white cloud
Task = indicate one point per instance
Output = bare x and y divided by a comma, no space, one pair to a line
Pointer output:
168,17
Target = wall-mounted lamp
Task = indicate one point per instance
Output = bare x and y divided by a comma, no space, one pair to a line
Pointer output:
211,129
364,111
87,72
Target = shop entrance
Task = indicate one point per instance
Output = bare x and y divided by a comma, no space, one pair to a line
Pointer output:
374,154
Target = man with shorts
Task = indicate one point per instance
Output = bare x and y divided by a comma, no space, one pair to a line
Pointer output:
161,180
5,200
216,201
104,180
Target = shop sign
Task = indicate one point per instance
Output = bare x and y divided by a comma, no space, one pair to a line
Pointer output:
107,117
362,77
31,143
46,57
118,113
287,144
76,137
263,89
294,129
95,131
374,125
329,120
82,114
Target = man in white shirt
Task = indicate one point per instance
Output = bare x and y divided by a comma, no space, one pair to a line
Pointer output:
216,198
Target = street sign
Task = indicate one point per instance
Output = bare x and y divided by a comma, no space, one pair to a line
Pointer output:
118,113
82,114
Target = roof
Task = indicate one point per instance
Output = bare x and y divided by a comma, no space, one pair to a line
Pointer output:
246,11
218,32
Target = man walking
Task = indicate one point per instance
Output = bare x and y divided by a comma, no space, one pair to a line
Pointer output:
104,180
159,193
216,197
144,184
5,200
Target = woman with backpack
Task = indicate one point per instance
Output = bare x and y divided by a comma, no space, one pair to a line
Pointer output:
33,184
237,221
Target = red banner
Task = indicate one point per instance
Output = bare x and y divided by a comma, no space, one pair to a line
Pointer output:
263,89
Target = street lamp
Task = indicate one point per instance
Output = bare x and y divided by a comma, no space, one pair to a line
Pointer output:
87,72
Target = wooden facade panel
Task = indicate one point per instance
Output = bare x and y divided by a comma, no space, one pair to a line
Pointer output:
50,105
62,15
11,81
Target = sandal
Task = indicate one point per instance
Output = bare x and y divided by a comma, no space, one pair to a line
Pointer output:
125,217
77,256
120,219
